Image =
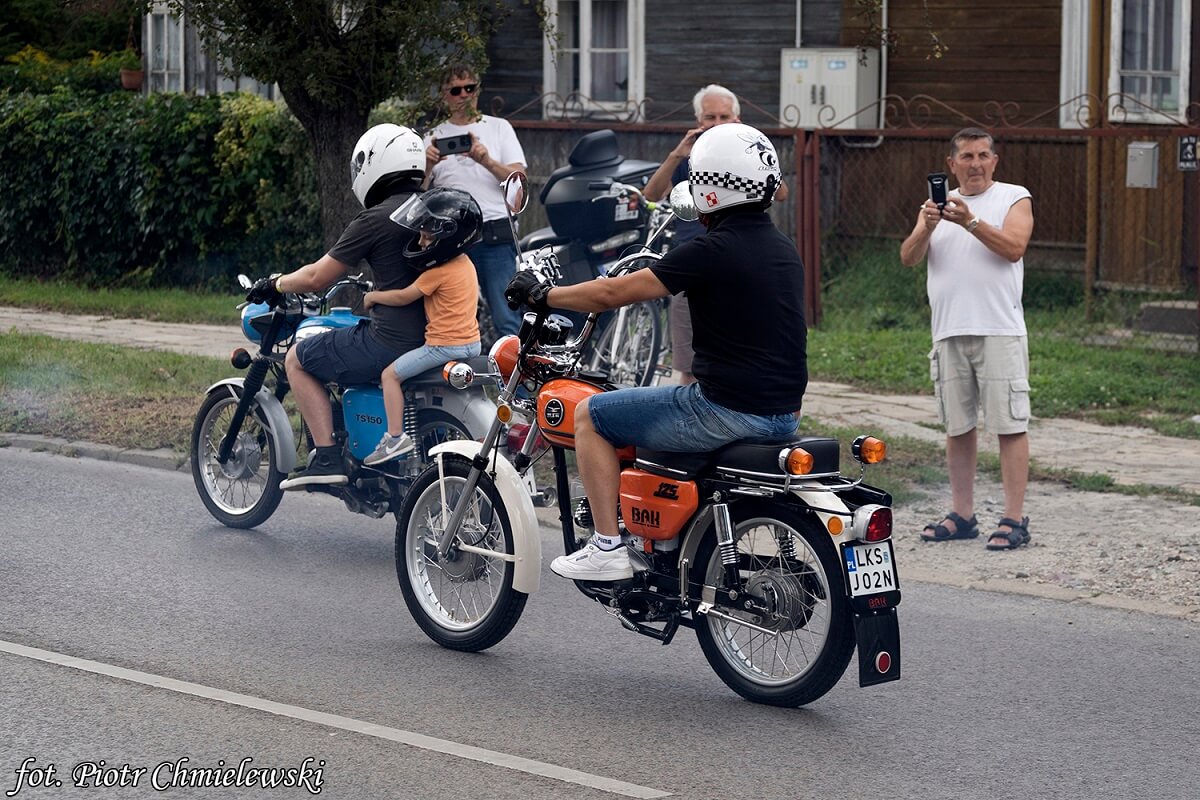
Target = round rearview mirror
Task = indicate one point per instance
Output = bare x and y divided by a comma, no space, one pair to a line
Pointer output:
682,204
244,282
515,195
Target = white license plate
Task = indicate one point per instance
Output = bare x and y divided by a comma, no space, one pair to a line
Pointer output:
870,568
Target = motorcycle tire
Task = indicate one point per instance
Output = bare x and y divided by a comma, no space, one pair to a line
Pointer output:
635,359
466,602
813,624
244,491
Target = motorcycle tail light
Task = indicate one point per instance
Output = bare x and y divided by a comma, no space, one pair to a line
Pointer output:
796,461
868,450
872,523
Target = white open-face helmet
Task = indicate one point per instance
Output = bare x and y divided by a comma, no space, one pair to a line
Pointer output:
732,164
384,152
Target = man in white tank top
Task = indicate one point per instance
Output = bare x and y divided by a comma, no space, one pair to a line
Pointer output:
980,359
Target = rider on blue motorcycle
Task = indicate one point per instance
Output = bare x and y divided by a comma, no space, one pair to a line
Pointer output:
387,167
745,284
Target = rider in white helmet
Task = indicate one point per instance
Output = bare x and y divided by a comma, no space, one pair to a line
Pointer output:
745,284
387,167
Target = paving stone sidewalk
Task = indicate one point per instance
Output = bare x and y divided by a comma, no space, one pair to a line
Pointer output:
1128,455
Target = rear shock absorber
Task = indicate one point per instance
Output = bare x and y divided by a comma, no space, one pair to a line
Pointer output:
726,546
410,417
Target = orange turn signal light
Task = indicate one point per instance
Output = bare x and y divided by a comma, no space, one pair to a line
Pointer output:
868,450
798,461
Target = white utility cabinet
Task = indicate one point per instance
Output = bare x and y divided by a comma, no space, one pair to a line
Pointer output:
844,78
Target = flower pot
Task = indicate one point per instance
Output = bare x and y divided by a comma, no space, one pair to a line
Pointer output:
132,79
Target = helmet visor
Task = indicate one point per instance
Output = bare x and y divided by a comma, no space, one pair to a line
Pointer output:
414,215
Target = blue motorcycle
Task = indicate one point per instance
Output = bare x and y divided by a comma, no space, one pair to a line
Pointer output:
244,442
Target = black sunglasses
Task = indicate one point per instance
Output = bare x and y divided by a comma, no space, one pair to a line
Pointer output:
457,90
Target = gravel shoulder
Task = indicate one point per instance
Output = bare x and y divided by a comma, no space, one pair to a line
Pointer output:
1116,550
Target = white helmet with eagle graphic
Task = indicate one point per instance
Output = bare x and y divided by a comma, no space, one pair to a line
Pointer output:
731,165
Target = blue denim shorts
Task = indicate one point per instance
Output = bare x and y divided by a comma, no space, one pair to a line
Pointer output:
346,355
414,362
679,419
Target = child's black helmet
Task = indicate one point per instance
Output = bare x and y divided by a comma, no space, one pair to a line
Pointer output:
450,217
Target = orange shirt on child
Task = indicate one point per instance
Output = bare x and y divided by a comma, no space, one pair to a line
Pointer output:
451,300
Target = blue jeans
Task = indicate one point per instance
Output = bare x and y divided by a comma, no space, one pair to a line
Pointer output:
495,264
679,419
414,362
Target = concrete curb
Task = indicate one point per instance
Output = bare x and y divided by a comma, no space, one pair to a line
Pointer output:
163,458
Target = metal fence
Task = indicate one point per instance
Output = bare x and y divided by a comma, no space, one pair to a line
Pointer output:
1116,240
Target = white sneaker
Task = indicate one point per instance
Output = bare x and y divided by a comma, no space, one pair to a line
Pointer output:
390,447
593,564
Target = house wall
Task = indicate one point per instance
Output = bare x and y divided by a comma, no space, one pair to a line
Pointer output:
738,48
1005,51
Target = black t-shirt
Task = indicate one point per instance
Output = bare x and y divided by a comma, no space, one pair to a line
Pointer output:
745,285
372,237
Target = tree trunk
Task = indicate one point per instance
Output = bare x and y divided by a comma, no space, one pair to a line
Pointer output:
333,132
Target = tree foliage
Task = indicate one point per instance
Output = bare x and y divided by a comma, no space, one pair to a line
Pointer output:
335,61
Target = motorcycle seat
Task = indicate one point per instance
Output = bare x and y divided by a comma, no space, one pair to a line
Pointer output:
434,377
740,459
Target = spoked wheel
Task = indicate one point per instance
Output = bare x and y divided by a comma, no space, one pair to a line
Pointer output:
809,632
244,491
628,349
464,601
435,427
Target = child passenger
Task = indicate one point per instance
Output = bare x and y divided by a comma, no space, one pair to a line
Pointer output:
446,222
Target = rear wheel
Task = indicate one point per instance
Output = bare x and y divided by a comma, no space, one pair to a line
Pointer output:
629,346
435,427
466,600
784,557
244,491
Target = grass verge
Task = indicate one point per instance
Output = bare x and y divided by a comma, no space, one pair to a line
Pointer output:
160,305
102,393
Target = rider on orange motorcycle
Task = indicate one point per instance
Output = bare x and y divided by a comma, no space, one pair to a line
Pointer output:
745,284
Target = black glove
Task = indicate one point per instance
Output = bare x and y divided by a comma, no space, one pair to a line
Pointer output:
527,288
264,291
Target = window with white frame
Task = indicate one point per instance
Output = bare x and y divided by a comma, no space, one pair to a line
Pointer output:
593,65
163,45
1150,60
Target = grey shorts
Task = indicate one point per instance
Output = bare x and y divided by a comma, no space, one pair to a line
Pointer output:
347,356
991,373
679,318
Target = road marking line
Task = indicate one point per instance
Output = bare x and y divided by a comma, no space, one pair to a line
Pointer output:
410,738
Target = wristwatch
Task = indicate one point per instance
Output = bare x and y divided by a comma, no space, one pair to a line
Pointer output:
973,224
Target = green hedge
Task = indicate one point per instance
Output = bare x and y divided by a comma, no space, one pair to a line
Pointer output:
119,189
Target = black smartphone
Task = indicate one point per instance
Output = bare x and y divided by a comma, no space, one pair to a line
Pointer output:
453,144
937,188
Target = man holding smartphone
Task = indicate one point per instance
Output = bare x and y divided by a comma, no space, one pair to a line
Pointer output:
480,152
976,244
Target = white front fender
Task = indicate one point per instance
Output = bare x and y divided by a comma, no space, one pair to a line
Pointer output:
272,415
527,540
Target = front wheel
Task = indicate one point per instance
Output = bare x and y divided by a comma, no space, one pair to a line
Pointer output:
785,558
244,491
466,600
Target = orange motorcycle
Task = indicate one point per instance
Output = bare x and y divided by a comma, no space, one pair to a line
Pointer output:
779,563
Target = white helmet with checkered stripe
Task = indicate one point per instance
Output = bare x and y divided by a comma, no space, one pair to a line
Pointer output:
733,164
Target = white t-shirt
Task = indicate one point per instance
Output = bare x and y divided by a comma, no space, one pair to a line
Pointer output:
973,291
461,172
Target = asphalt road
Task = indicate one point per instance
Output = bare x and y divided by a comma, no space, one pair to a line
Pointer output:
292,643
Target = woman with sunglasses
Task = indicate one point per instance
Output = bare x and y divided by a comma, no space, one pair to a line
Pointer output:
493,154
